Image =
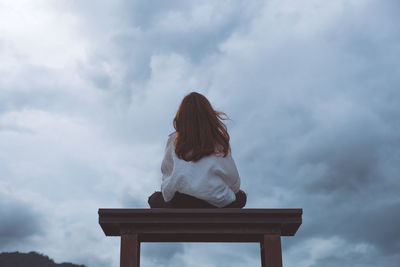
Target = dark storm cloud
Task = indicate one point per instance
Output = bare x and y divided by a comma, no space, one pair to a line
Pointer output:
356,222
323,132
348,156
351,260
18,221
379,226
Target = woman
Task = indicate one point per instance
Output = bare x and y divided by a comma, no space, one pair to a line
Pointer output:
198,170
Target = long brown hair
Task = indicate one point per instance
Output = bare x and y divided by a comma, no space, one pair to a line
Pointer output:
199,129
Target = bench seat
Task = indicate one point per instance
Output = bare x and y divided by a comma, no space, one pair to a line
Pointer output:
265,226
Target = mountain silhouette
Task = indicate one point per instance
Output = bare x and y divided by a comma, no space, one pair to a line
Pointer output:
31,259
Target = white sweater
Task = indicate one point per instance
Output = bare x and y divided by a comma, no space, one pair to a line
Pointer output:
214,178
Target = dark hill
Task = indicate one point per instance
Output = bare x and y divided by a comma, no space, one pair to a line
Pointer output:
31,259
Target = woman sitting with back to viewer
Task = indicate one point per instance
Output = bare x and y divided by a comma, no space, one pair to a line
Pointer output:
198,170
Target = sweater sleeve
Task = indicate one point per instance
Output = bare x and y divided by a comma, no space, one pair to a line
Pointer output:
221,197
169,188
168,184
167,164
230,173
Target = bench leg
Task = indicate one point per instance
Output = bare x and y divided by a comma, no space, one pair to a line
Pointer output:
130,251
271,252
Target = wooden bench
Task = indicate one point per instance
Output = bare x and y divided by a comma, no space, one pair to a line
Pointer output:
265,226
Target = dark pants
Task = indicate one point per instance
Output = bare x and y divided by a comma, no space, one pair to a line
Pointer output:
180,200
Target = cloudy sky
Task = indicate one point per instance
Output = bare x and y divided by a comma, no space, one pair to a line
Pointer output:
88,91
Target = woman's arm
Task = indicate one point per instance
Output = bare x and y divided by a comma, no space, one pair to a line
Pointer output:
167,164
168,185
230,173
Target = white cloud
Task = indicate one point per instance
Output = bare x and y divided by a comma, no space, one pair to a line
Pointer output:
40,34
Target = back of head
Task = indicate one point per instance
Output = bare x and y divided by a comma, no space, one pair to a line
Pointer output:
200,130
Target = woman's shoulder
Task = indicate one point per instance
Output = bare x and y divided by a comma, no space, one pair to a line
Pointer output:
171,137
170,141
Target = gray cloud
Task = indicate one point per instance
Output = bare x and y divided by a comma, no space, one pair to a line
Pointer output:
18,221
130,200
194,30
347,156
357,259
161,254
373,224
